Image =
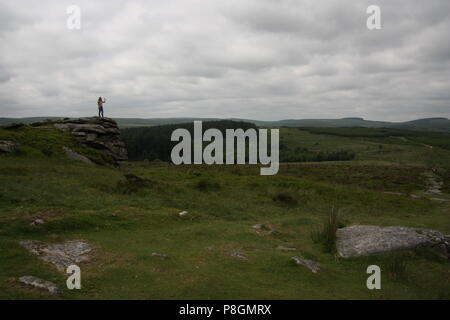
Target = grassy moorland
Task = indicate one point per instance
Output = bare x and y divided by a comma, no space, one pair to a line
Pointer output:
127,220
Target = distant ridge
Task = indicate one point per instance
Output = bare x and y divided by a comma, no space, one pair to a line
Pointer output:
439,124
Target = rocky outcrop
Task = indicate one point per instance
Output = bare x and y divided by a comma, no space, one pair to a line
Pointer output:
7,146
39,283
76,156
60,255
364,240
94,132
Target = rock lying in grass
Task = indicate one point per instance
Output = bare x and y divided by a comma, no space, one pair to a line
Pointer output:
283,248
259,226
76,156
159,255
239,255
311,265
61,255
183,213
39,283
37,222
439,199
393,193
265,230
434,183
365,240
7,146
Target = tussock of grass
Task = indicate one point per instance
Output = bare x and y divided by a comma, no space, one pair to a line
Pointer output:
288,198
326,235
132,184
206,185
395,266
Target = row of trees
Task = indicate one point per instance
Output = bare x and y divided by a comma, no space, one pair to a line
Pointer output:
153,143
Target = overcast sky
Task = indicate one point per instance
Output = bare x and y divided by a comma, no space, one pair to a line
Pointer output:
258,59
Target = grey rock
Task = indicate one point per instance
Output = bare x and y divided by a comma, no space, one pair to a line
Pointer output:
89,136
37,222
39,283
7,146
311,265
160,255
365,240
283,248
99,133
61,255
259,226
76,156
434,183
439,199
265,230
79,134
393,193
239,255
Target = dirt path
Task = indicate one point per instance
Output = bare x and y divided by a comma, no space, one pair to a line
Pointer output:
433,182
404,139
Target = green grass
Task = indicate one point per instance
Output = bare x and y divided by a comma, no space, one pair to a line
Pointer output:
129,213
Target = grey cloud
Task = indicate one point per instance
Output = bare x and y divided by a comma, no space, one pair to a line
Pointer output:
261,59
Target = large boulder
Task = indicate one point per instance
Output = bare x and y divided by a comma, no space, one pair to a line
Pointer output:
362,240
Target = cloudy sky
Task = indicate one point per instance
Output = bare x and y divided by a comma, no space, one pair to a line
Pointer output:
259,59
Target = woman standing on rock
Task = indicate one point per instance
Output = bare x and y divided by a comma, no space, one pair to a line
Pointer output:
100,103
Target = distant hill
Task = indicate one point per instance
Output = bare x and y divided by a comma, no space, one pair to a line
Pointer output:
433,124
428,124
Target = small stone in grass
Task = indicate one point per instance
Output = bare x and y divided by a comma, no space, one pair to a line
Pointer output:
239,255
36,222
259,226
311,265
283,248
160,255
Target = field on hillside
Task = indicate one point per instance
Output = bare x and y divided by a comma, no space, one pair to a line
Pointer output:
128,218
